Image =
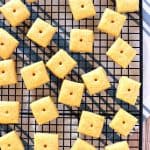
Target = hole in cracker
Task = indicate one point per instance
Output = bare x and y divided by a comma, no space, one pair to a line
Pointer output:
40,31
3,71
6,111
33,74
112,21
45,146
81,40
14,10
82,6
129,90
123,122
9,145
95,79
43,109
121,51
91,125
60,63
2,43
71,93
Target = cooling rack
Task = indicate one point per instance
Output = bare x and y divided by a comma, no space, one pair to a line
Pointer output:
57,13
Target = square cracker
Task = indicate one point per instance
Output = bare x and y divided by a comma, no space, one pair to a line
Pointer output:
8,44
44,110
61,64
118,146
81,40
9,112
82,9
35,75
11,141
15,12
91,124
82,145
111,22
8,75
71,93
44,141
121,52
96,81
41,32
128,90
123,122
124,6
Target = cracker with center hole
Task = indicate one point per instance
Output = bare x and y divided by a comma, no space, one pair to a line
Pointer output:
71,93
15,12
8,75
111,22
96,81
9,112
128,90
34,75
91,124
61,64
47,141
44,110
41,32
81,40
8,44
82,9
121,52
123,122
11,141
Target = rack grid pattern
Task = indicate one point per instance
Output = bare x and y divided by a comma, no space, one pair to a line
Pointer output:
57,13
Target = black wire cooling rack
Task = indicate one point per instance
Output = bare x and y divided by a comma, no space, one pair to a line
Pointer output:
57,13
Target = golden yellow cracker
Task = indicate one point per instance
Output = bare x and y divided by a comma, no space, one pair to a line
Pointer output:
61,64
8,73
111,22
124,6
81,40
123,122
9,112
34,75
91,124
96,81
128,90
82,145
41,32
82,9
8,44
44,110
118,146
11,141
15,12
121,52
44,141
71,93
